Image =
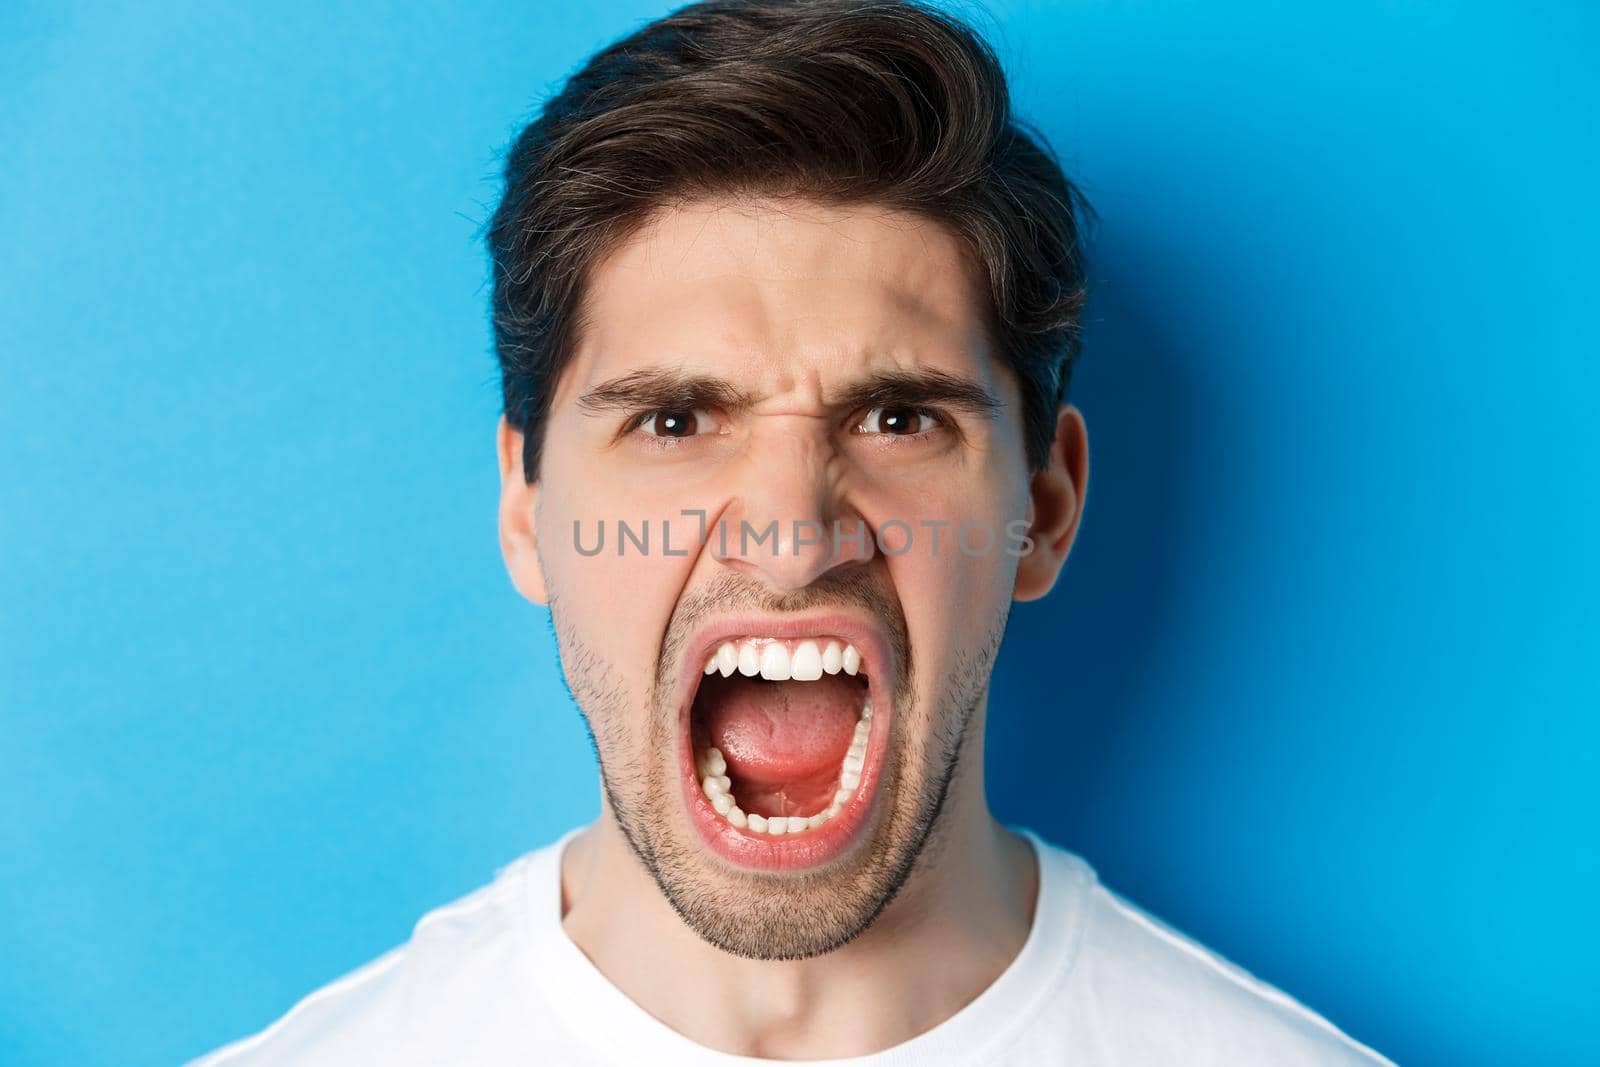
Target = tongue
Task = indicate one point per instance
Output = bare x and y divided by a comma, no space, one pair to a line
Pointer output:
781,736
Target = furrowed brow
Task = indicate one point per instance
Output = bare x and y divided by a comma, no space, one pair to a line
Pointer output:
924,388
662,388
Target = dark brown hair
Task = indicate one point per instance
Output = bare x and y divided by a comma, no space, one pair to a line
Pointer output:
842,101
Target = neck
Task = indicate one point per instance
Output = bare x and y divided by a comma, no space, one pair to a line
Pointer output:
959,920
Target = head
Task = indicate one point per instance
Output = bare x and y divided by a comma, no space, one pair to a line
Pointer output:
786,304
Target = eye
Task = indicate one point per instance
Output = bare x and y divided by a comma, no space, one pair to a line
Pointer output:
898,421
674,423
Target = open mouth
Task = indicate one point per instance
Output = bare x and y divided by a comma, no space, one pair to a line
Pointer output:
782,748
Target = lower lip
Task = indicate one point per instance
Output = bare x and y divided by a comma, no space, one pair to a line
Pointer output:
797,851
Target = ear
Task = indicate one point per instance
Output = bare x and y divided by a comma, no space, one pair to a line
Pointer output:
518,498
1055,504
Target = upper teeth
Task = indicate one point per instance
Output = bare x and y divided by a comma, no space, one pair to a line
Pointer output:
773,660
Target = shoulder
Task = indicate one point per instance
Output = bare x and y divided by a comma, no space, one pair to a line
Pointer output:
1178,1001
449,984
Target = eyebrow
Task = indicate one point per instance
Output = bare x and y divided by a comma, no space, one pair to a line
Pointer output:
663,388
922,388
667,389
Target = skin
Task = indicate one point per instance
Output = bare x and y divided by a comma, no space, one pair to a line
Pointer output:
792,303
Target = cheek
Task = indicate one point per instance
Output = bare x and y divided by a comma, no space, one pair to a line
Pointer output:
955,581
956,516
614,593
952,600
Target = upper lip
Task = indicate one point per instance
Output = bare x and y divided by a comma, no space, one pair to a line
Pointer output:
865,633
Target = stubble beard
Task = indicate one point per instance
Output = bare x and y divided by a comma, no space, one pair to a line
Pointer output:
777,915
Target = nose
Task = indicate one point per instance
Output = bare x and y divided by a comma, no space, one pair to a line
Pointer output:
787,521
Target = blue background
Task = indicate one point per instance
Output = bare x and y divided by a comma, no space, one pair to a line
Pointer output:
1318,686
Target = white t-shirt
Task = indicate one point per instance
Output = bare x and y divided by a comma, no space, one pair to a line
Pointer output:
493,981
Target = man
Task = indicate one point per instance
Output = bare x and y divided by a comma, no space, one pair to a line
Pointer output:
785,305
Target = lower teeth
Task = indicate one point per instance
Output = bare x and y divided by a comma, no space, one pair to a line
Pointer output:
714,781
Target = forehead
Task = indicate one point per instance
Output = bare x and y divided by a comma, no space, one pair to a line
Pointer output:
783,290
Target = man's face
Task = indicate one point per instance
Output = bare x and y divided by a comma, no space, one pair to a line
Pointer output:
828,369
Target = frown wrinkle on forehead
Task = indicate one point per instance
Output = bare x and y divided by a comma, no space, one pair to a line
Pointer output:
783,295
